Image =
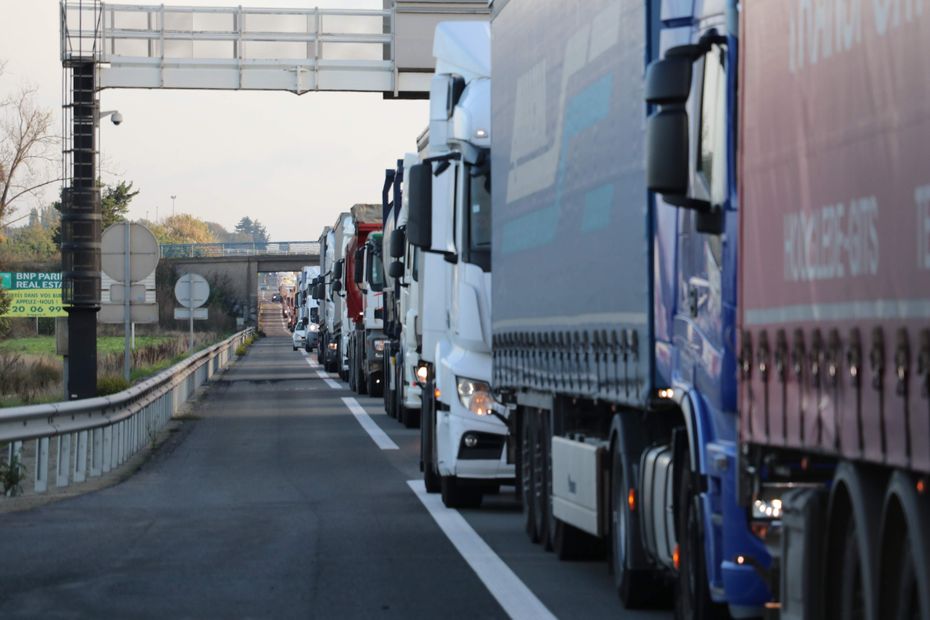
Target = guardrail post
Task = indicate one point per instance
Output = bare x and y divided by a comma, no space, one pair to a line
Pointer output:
96,452
63,460
80,457
41,467
107,449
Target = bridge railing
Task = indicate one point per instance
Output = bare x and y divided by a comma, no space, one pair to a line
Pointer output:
211,250
84,439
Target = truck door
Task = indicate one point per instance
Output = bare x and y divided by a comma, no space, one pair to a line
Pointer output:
702,316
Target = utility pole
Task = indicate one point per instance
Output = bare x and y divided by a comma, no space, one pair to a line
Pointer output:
172,205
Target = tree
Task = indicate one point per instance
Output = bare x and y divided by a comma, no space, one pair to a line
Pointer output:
182,228
26,148
114,202
252,230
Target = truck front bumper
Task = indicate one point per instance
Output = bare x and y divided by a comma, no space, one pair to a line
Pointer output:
486,459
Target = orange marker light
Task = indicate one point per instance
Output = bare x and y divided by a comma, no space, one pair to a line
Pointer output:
631,500
437,393
921,486
676,557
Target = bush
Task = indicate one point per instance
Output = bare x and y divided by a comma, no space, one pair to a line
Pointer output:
241,349
111,384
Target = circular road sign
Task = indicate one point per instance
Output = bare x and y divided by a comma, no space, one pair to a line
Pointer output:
192,290
143,252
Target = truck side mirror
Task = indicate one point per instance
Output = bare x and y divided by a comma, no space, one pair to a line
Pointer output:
396,270
420,220
668,85
337,286
337,269
398,241
667,151
668,81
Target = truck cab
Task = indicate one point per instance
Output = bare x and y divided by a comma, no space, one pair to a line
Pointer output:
691,87
464,437
402,292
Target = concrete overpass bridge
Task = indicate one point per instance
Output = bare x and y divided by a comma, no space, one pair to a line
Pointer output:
240,263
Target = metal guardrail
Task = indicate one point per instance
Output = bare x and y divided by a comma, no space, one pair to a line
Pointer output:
95,435
212,250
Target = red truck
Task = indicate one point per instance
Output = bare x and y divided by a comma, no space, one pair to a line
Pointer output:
834,280
365,349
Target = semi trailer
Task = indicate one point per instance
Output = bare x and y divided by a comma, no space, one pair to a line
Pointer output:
834,315
463,434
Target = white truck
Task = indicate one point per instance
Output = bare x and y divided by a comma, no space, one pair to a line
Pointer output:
464,438
323,293
402,294
343,233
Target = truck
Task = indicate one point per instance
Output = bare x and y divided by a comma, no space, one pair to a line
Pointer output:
813,124
613,315
464,447
364,287
346,298
401,298
323,293
307,306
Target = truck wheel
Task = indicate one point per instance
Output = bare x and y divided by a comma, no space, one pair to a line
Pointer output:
427,436
851,552
528,478
541,501
374,383
361,381
457,495
390,397
905,552
635,587
692,598
295,348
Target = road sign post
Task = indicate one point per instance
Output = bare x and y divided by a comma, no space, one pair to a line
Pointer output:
129,254
191,291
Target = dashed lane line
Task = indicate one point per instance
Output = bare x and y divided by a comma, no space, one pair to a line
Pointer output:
322,374
374,431
511,593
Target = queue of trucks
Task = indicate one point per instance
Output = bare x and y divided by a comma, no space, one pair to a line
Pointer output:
694,329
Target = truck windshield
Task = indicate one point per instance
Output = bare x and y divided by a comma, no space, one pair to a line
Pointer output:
479,215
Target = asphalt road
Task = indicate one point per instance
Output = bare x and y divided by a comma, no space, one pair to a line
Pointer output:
275,502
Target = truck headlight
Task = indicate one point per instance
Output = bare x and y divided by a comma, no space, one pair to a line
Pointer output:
379,346
314,327
767,508
422,374
333,346
475,396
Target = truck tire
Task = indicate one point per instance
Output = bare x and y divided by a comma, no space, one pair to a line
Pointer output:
905,552
692,592
374,383
527,478
542,504
852,541
636,588
431,478
295,348
455,494
390,395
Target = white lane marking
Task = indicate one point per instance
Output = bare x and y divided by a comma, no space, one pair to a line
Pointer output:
322,374
518,601
374,431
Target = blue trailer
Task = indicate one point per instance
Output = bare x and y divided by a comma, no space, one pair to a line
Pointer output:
613,312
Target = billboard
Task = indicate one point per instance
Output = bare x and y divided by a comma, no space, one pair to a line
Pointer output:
33,294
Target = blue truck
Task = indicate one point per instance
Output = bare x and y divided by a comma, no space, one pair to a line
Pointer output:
614,309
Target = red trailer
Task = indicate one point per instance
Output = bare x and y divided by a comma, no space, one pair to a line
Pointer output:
834,189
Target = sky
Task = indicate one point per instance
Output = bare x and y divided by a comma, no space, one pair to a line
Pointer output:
292,162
